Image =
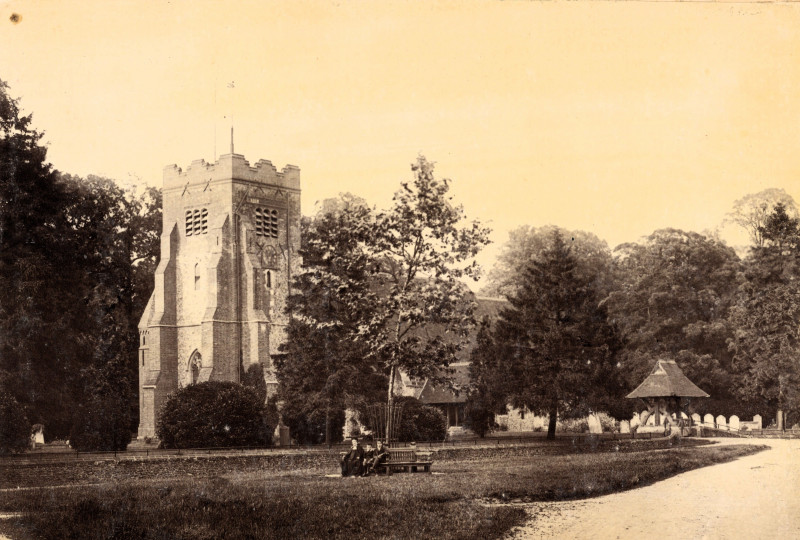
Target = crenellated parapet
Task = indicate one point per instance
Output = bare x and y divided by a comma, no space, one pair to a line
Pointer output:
231,167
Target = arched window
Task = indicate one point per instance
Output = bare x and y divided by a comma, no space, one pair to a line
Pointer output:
195,363
196,276
268,279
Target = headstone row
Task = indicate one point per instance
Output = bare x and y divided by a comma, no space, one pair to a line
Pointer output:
709,420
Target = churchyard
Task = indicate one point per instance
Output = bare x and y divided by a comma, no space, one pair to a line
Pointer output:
469,494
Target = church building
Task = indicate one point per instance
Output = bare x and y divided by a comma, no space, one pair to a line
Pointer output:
229,244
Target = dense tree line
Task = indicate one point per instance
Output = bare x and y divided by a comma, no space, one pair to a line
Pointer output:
76,263
733,325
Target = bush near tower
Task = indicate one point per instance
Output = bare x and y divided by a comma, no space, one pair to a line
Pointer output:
214,414
15,430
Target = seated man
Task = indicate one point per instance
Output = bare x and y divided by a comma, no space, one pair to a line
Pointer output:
352,462
379,457
369,453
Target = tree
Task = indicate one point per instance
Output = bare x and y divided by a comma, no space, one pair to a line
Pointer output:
526,244
102,421
76,256
326,369
483,398
672,300
751,211
15,430
214,414
373,281
253,379
420,422
424,249
40,276
555,344
766,343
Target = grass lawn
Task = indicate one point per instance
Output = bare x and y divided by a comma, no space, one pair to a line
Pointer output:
304,504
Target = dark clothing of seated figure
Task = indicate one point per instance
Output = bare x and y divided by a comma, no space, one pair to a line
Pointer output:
367,460
379,457
353,462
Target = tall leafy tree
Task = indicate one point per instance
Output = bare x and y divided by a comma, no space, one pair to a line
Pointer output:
424,246
325,368
373,282
526,244
41,276
673,295
752,211
555,344
73,256
766,344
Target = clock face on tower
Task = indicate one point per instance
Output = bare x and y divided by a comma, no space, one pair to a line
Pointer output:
266,253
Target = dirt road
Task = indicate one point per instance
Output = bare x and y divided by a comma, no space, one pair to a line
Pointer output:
752,497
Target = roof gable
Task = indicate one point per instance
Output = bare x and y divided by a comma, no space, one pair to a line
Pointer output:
667,380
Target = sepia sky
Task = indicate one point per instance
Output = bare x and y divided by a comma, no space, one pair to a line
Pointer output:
615,118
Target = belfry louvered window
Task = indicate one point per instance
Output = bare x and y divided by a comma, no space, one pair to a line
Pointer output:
267,222
196,221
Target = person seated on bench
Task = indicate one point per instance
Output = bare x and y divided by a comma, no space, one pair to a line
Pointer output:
352,462
379,457
365,463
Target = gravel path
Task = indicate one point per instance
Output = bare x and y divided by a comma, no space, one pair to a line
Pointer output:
752,497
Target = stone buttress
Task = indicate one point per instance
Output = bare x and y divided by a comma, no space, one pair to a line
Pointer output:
229,244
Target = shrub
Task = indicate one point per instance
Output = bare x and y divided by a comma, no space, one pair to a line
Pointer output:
254,379
103,421
15,430
214,414
479,416
306,421
609,423
420,422
573,425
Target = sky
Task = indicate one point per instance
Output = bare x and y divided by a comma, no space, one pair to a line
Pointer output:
614,118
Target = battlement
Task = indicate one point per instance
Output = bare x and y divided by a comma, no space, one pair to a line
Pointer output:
228,167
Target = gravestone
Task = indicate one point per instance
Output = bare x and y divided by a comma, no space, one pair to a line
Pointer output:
733,424
757,420
708,420
624,426
594,424
722,423
37,436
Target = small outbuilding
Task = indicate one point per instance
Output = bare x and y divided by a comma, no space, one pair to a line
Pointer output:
666,385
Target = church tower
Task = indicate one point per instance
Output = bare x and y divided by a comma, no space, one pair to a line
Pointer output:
229,244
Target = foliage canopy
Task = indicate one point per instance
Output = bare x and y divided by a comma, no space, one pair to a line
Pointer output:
214,414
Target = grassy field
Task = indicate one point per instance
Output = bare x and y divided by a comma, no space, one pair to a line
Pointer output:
306,504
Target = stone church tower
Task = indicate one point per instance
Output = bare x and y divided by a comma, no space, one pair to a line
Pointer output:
229,244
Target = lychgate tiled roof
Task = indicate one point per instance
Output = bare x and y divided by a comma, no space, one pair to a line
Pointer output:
667,380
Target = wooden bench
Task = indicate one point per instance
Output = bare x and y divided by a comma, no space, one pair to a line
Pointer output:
407,460
403,460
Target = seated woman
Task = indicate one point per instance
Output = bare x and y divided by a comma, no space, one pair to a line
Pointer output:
353,462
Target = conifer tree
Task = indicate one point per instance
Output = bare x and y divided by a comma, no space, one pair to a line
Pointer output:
556,348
